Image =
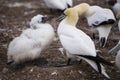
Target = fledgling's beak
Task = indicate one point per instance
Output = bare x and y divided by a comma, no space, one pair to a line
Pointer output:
10,62
46,18
62,16
115,49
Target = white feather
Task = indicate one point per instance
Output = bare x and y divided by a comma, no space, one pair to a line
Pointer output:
31,42
58,4
93,64
116,7
104,31
76,42
100,15
70,2
118,1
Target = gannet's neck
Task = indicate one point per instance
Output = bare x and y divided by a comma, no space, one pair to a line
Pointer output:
72,19
118,15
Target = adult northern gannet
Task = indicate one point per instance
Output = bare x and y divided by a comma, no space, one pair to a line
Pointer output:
31,42
77,44
99,19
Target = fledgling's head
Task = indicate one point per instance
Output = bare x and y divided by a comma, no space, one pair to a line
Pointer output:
85,9
118,15
37,20
72,16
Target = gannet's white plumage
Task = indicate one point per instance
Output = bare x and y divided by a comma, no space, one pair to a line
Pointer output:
77,44
31,42
58,4
101,21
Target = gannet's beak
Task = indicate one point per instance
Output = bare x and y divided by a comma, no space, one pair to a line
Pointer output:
115,49
46,18
62,16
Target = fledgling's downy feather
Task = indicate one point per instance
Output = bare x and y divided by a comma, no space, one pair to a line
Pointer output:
31,42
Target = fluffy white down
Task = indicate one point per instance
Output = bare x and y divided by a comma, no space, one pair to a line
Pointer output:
30,43
35,20
58,4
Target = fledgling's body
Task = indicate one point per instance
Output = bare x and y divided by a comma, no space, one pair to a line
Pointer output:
31,42
58,4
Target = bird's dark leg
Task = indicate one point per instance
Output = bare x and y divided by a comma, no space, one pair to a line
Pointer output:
68,62
93,36
80,61
10,62
102,42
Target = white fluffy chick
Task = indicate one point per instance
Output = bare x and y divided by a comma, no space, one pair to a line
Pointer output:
58,4
100,20
115,5
77,44
31,42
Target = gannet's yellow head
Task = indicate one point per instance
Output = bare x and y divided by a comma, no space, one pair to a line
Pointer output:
118,15
84,8
72,16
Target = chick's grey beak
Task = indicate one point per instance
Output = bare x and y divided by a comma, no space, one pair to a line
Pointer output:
115,49
62,16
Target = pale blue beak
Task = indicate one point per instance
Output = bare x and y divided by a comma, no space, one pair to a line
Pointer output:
115,49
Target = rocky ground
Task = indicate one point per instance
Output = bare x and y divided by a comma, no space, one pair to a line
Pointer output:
15,16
